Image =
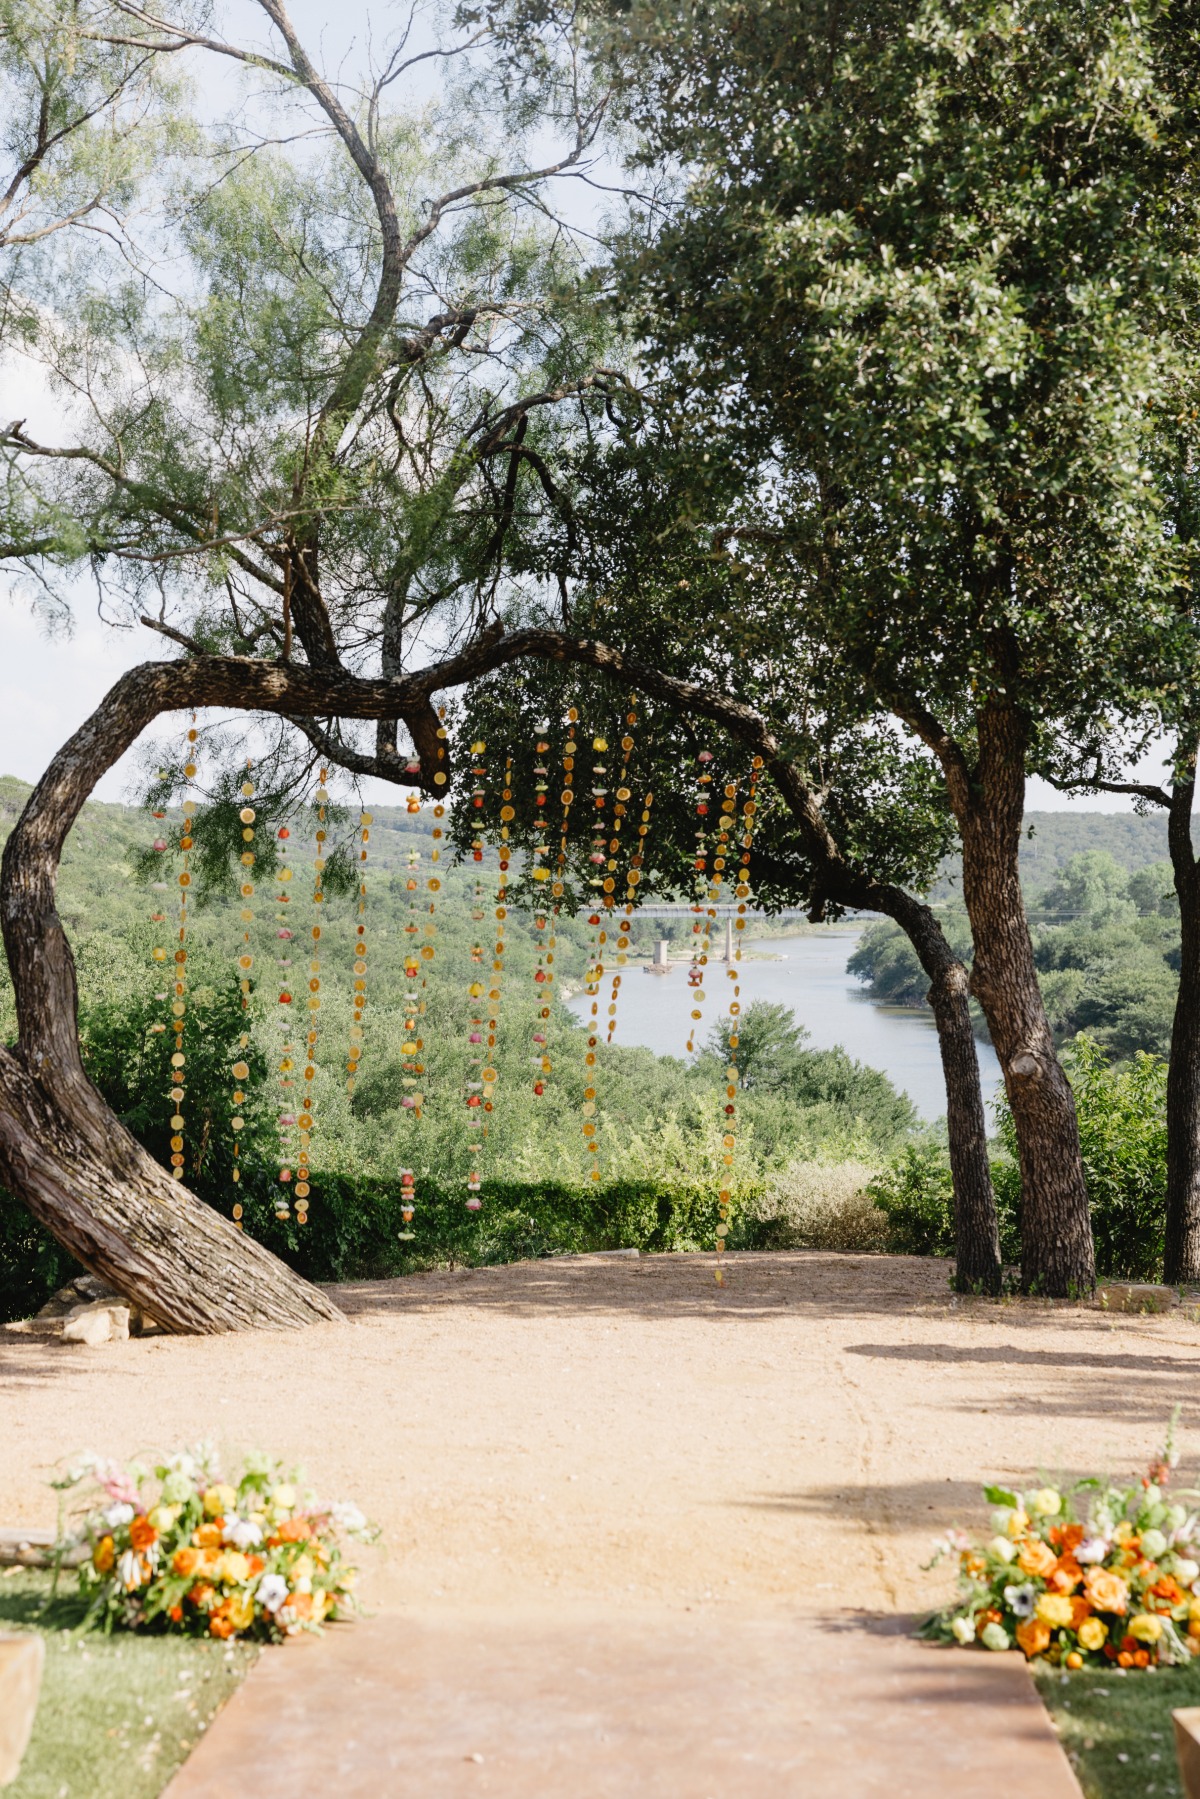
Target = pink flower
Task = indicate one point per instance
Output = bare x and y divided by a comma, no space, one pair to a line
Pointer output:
473,1205
705,756
408,1101
160,843
284,933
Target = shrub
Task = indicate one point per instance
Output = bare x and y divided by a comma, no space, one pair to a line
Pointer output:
814,1205
1123,1135
915,1193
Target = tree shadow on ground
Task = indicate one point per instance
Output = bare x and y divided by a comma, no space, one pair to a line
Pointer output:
758,1284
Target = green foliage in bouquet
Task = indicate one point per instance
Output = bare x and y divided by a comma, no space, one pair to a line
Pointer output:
1118,1585
181,1547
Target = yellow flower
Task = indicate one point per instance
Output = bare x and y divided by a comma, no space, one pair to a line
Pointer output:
302,1568
1018,1523
164,1516
1123,1531
1047,1501
1056,1610
219,1499
1145,1627
239,1609
233,1566
1093,1633
283,1498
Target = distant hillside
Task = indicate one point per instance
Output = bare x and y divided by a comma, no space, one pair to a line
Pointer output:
1051,838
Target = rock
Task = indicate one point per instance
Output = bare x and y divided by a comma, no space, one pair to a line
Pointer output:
1134,1296
38,1549
90,1325
21,1660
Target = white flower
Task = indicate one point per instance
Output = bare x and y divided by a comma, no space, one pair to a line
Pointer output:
1020,1600
130,1572
243,1533
271,1592
1006,1550
117,1515
964,1630
1092,1549
1154,1544
348,1517
994,1636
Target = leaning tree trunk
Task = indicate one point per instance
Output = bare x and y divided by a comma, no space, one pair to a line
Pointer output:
976,1230
1181,1249
62,1151
1057,1257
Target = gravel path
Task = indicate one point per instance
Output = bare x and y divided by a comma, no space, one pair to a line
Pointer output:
624,1434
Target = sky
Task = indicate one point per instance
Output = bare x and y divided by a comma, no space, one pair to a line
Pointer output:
51,682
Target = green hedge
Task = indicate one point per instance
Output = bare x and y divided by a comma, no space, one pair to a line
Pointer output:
354,1227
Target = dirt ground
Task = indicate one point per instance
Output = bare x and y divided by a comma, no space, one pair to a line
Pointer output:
625,1434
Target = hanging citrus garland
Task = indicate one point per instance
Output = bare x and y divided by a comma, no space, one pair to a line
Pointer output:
701,930
354,1054
632,881
245,962
742,893
595,973
158,918
477,1055
489,1074
287,1049
558,886
619,809
539,873
179,1003
303,1187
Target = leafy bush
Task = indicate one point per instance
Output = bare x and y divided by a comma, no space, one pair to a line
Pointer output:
814,1205
1123,1134
915,1193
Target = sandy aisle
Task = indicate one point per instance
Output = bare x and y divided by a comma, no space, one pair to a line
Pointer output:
626,1435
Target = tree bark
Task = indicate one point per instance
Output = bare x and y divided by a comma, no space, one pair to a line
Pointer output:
1058,1258
1181,1249
976,1228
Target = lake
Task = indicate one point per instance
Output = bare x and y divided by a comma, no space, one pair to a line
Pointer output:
808,974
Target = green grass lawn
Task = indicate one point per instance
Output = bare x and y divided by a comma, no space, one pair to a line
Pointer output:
1117,1728
118,1714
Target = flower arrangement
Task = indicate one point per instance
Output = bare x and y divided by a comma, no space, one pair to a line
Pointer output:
1119,1585
180,1546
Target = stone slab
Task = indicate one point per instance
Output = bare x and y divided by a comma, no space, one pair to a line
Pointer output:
1135,1296
670,1706
1187,1748
21,1661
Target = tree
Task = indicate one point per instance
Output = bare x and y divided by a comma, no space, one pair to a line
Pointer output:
932,270
306,458
850,819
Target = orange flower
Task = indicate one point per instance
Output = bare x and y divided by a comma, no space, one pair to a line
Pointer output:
1067,1576
104,1555
220,1624
1034,1637
986,1618
1072,1537
301,1605
175,1614
141,1534
1080,1609
186,1562
257,1564
201,1595
1107,1591
1168,1588
208,1536
1037,1558
293,1530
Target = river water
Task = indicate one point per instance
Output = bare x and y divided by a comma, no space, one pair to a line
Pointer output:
808,974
